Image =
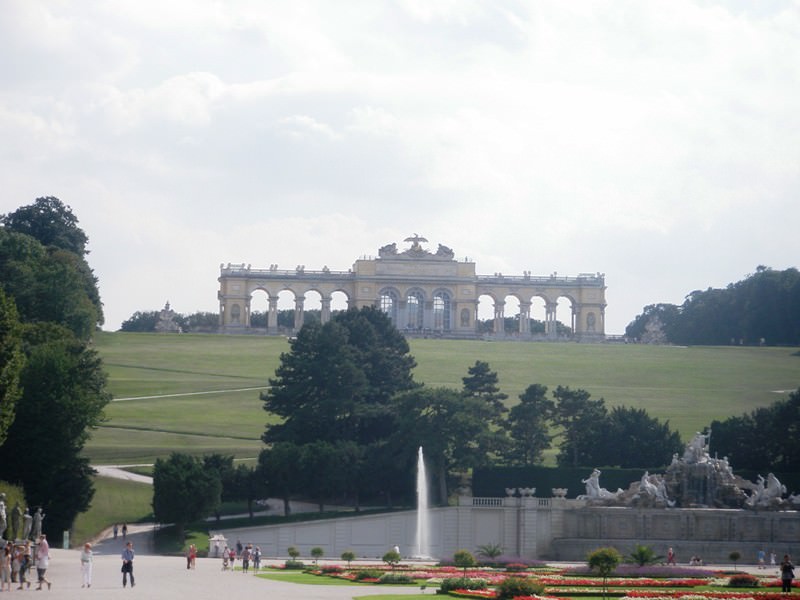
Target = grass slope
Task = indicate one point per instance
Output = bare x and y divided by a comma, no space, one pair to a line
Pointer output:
200,393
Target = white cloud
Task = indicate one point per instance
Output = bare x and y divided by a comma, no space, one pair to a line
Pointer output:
651,141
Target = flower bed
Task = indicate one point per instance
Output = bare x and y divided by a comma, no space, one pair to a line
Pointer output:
621,582
636,595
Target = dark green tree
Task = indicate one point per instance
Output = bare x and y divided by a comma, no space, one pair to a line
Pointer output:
528,427
49,284
454,431
184,491
581,420
12,361
222,465
632,438
279,470
766,439
141,321
338,380
481,382
64,393
51,222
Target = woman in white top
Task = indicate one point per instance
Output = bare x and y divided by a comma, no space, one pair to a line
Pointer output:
86,565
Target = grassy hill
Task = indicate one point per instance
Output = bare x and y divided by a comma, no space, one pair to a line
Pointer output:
199,393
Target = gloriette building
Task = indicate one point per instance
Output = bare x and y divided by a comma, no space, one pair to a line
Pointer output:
423,292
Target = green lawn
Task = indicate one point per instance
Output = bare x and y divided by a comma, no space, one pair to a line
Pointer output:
204,402
115,501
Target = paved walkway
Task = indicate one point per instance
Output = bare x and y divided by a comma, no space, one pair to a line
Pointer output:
166,578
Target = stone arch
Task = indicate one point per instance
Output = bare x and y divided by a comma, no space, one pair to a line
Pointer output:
537,315
258,305
484,310
565,313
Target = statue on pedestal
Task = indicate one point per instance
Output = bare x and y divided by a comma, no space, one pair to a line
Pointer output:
38,517
27,524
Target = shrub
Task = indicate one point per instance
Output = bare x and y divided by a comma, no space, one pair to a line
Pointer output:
293,552
391,558
294,564
395,578
464,560
490,550
348,556
461,583
512,587
743,580
643,556
362,574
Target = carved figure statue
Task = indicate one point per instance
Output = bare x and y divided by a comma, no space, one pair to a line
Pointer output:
593,489
3,515
696,449
387,250
27,524
16,521
646,487
445,252
38,517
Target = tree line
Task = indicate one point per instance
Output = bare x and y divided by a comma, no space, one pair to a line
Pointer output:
347,418
52,384
763,308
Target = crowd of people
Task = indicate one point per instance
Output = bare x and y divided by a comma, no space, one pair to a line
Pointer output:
247,554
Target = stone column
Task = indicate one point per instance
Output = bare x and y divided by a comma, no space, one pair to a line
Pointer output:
298,312
499,324
247,312
525,318
325,313
550,328
272,317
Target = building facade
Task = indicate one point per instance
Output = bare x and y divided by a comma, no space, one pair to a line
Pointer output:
422,292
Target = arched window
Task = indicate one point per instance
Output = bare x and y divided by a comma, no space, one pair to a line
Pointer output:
441,311
414,310
388,304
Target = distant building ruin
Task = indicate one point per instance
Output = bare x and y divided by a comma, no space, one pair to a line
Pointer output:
422,292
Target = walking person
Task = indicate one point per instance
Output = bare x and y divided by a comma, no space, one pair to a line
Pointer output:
124,531
86,565
246,558
42,561
787,574
5,569
127,563
116,530
670,557
24,564
257,559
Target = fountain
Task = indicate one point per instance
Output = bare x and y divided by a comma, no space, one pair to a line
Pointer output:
423,530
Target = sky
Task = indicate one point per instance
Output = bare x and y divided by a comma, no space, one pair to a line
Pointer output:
655,142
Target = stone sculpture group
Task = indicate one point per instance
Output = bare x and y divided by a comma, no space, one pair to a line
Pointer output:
24,526
694,480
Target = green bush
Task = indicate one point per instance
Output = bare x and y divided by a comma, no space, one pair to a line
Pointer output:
512,587
294,564
362,574
462,583
743,580
395,578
